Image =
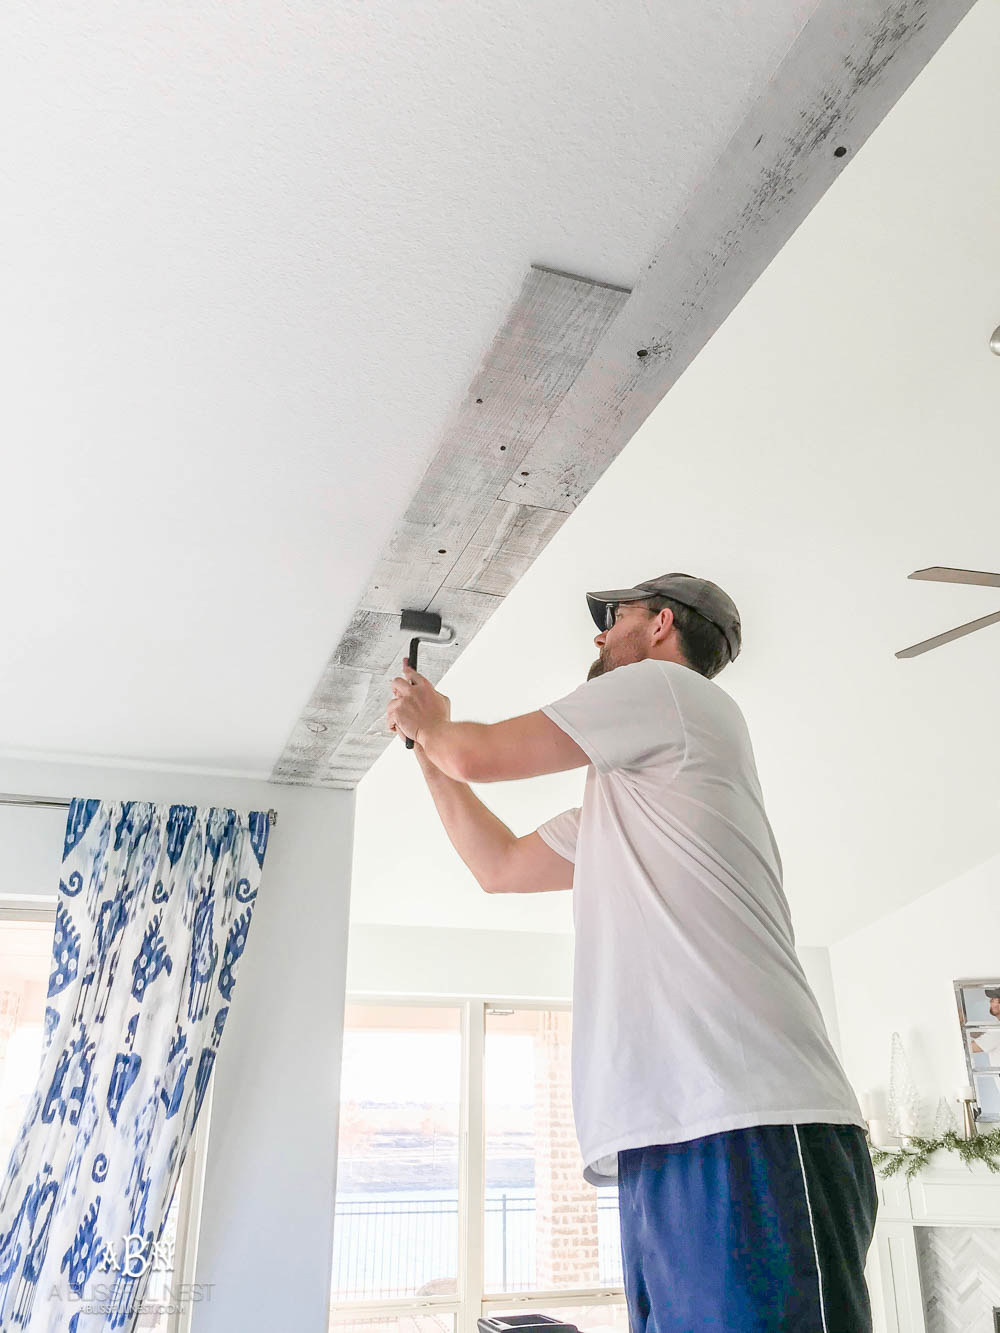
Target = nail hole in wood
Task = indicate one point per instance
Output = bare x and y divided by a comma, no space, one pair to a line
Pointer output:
442,551
524,474
840,152
479,400
643,351
502,448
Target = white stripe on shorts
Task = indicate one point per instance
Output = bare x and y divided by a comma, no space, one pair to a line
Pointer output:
805,1186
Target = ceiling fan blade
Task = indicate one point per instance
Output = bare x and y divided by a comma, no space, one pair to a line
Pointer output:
940,574
949,635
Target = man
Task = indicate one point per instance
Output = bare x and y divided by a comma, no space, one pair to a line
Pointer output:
988,1043
703,1077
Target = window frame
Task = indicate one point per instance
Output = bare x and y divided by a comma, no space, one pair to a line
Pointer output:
472,1301
191,1184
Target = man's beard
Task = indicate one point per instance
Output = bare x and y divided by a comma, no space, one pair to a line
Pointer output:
597,668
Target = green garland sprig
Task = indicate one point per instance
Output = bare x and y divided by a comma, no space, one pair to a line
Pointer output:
913,1158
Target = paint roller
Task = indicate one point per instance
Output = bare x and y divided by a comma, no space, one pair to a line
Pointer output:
423,625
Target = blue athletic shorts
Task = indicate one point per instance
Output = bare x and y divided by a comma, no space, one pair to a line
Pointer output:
760,1230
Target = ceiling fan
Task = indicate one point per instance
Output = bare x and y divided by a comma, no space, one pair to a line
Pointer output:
938,574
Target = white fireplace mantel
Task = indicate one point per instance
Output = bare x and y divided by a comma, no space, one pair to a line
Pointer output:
946,1193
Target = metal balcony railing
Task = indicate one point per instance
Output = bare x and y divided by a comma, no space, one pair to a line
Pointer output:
395,1245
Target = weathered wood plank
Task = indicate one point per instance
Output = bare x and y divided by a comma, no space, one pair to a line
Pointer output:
845,71
543,345
503,547
336,701
457,548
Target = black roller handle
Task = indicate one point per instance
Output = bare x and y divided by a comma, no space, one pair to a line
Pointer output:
420,622
414,645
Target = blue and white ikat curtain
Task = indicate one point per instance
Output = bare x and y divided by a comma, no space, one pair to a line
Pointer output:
154,908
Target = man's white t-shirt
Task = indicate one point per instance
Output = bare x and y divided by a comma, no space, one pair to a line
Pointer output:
691,1011
988,1042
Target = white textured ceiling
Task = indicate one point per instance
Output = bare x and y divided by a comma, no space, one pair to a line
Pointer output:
839,431
256,253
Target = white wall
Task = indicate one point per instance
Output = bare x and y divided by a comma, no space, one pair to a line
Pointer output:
896,975
816,965
495,964
271,1175
267,1221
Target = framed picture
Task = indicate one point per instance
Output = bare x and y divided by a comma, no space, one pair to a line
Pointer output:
978,1001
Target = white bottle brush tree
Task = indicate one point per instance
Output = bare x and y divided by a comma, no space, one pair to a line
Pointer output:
944,1119
904,1100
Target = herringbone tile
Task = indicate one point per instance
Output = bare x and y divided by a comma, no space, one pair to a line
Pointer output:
960,1277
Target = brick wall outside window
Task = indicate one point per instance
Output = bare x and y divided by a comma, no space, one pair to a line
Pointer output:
566,1207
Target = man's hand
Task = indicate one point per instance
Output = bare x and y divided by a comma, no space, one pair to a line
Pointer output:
416,706
521,747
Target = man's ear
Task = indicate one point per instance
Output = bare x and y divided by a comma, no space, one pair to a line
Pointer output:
663,624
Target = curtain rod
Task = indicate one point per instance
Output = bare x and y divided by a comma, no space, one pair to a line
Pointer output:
54,803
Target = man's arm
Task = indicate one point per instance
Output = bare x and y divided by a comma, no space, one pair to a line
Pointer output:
522,747
499,861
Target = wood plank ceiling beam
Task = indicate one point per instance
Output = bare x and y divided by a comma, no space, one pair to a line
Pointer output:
493,509
459,546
